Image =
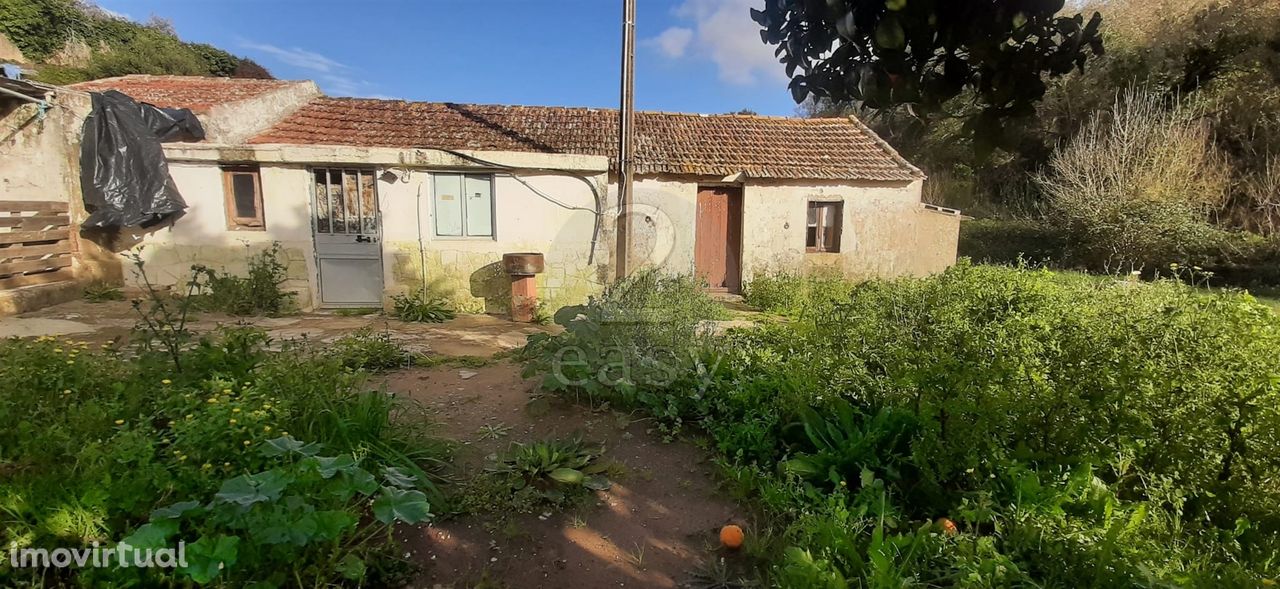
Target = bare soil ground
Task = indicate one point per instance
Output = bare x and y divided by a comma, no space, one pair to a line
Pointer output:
467,335
659,521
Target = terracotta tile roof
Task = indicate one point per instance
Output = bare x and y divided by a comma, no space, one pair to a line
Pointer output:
194,92
666,143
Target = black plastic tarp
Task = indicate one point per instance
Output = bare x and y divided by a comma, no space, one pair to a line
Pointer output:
123,174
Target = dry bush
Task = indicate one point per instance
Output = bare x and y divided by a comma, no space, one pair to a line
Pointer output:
1137,183
1263,193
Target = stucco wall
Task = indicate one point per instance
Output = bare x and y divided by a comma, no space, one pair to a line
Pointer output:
40,160
201,236
466,271
886,231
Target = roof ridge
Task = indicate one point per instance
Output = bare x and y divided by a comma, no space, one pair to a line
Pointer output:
588,108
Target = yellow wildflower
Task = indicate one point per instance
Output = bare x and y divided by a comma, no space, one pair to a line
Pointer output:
247,442
236,410
166,381
119,422
266,428
232,421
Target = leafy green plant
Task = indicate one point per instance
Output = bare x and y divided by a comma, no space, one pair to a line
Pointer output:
988,426
368,349
258,293
420,309
555,465
305,512
211,444
101,292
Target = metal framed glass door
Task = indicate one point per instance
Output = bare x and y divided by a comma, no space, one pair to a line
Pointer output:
348,236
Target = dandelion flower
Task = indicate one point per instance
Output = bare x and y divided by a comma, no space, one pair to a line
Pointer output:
166,381
119,422
231,421
236,410
213,399
247,442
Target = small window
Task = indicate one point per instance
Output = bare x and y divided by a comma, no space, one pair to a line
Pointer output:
823,231
463,205
242,189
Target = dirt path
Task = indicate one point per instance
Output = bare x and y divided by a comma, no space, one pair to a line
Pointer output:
659,520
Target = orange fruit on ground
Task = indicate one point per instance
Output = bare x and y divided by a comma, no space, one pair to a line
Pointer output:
731,536
948,526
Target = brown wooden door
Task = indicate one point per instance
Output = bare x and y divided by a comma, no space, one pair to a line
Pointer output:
718,238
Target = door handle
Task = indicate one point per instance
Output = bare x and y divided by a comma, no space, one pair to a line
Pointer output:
364,239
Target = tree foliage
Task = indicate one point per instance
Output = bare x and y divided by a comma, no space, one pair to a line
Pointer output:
923,54
114,46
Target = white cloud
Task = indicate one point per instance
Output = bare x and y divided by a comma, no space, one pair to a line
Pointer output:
297,57
672,42
335,77
722,31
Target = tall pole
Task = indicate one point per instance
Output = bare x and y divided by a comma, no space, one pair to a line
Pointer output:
626,133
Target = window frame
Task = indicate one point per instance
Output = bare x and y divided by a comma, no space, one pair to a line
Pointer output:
462,179
234,221
825,209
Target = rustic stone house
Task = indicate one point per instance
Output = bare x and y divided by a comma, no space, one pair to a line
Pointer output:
372,197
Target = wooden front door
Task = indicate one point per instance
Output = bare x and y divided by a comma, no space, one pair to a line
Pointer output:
717,247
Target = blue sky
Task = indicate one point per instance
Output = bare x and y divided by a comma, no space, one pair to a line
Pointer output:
691,56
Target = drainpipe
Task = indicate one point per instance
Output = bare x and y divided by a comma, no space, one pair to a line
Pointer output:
626,131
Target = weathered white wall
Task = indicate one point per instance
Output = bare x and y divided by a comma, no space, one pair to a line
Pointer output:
468,270
886,231
201,235
465,270
40,160
662,221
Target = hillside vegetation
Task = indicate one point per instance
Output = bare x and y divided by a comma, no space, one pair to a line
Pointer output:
69,41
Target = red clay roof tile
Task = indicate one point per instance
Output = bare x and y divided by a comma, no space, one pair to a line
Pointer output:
194,92
666,143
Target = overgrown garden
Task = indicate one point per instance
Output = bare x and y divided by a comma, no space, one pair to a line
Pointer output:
988,427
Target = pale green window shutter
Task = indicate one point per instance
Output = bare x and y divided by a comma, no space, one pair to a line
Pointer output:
448,202
479,199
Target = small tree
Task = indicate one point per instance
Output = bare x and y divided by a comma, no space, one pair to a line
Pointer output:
1138,184
923,53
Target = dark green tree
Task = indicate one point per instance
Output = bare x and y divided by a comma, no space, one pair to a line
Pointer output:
922,55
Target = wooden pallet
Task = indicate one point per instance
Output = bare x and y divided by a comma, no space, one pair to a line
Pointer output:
36,243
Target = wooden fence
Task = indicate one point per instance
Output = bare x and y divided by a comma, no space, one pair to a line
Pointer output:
36,243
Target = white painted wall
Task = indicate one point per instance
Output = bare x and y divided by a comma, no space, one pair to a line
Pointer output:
463,269
201,236
886,231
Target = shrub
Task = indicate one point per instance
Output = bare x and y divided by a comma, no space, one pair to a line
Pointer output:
420,309
1012,241
101,292
259,293
1137,184
366,349
1069,430
110,445
794,294
639,336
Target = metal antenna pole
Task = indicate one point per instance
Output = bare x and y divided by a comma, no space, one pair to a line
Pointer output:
626,132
